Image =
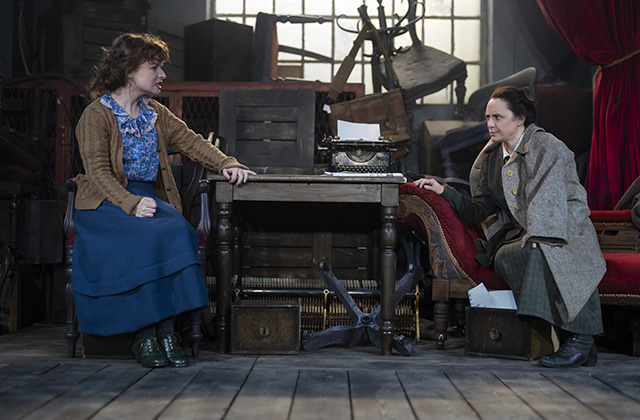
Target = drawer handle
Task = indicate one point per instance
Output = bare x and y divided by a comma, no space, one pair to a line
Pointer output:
264,331
494,334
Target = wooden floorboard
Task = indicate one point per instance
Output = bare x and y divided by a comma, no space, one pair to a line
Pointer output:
92,394
545,397
37,381
600,397
322,394
210,394
434,396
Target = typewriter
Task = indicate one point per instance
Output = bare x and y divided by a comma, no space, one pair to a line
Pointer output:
358,155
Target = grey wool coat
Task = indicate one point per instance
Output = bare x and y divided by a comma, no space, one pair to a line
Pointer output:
544,195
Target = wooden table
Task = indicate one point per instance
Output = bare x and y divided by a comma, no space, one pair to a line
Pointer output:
381,190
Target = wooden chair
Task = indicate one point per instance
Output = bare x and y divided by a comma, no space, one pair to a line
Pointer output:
421,70
455,271
265,45
269,130
123,343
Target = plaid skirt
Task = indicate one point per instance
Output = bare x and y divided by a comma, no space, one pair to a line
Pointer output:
130,272
527,273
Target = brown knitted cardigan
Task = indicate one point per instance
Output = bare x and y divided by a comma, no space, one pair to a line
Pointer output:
101,147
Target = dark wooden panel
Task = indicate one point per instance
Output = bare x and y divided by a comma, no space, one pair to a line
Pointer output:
351,239
262,130
261,114
257,153
217,50
280,272
279,238
350,257
271,97
277,257
299,107
102,35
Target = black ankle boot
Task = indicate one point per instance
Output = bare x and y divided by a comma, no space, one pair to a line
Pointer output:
148,353
577,350
170,344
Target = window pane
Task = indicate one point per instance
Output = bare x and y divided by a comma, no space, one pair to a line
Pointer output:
467,34
255,6
467,8
289,34
355,76
438,8
440,97
438,34
230,7
317,71
288,7
473,79
403,40
347,7
317,7
344,40
440,29
317,38
368,84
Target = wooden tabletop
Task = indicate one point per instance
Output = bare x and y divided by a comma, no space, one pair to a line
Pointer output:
386,178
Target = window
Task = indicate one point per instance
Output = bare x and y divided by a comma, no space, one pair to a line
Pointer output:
453,26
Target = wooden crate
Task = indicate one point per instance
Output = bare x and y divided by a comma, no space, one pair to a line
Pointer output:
70,38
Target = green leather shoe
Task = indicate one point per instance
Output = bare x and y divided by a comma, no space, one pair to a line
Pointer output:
170,345
148,353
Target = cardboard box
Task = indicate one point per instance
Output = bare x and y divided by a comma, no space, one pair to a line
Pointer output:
500,333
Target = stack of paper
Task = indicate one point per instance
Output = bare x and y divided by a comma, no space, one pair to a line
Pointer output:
358,131
480,297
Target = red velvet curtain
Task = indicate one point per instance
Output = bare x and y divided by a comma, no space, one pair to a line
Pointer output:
606,33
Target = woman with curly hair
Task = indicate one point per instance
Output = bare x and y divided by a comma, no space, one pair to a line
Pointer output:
135,265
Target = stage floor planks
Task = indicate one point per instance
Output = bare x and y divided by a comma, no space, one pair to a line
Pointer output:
37,381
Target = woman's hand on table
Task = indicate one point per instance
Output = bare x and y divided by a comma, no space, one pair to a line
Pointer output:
237,175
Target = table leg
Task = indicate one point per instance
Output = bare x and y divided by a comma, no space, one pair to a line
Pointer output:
224,231
388,238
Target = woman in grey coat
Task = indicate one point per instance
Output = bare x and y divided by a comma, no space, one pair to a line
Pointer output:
526,192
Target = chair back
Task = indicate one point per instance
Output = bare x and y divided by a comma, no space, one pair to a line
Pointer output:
525,79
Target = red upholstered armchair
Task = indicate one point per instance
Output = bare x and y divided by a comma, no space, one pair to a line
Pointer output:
451,257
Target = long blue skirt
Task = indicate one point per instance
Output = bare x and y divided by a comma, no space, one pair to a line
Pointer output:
130,272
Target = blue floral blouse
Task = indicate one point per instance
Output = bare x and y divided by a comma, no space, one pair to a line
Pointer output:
139,138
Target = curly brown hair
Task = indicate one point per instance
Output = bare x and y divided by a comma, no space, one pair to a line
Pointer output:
127,52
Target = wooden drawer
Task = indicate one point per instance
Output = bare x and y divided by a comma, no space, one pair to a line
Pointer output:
265,327
500,333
